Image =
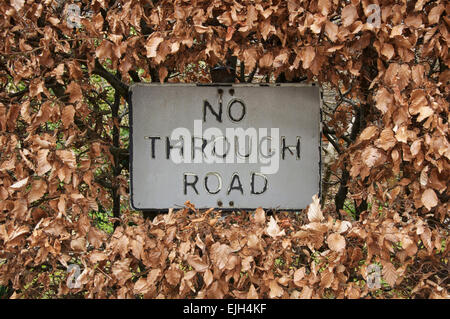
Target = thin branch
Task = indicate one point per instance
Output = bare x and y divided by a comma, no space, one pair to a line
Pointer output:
344,137
115,82
326,132
20,93
134,76
242,72
252,75
351,102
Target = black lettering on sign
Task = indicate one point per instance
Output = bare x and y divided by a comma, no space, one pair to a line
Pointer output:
192,184
198,147
236,146
252,184
285,147
217,114
170,146
242,112
153,139
235,177
219,182
270,152
225,142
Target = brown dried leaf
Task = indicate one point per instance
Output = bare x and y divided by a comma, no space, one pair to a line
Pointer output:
273,230
324,6
429,198
389,274
78,244
388,50
336,242
298,276
121,270
307,54
306,292
349,15
142,286
368,133
252,293
266,60
383,100
96,237
327,278
371,156
220,254
386,140
208,278
38,189
197,263
67,115
97,256
68,157
260,216
314,210
152,45
19,184
74,90
435,13
331,30
275,289
173,276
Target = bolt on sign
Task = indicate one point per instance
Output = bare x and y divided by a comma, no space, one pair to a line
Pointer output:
229,146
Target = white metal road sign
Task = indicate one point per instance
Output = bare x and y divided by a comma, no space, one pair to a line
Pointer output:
228,146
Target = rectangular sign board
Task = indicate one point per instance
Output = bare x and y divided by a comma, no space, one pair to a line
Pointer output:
228,146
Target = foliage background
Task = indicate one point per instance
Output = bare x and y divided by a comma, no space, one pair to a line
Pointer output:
64,149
